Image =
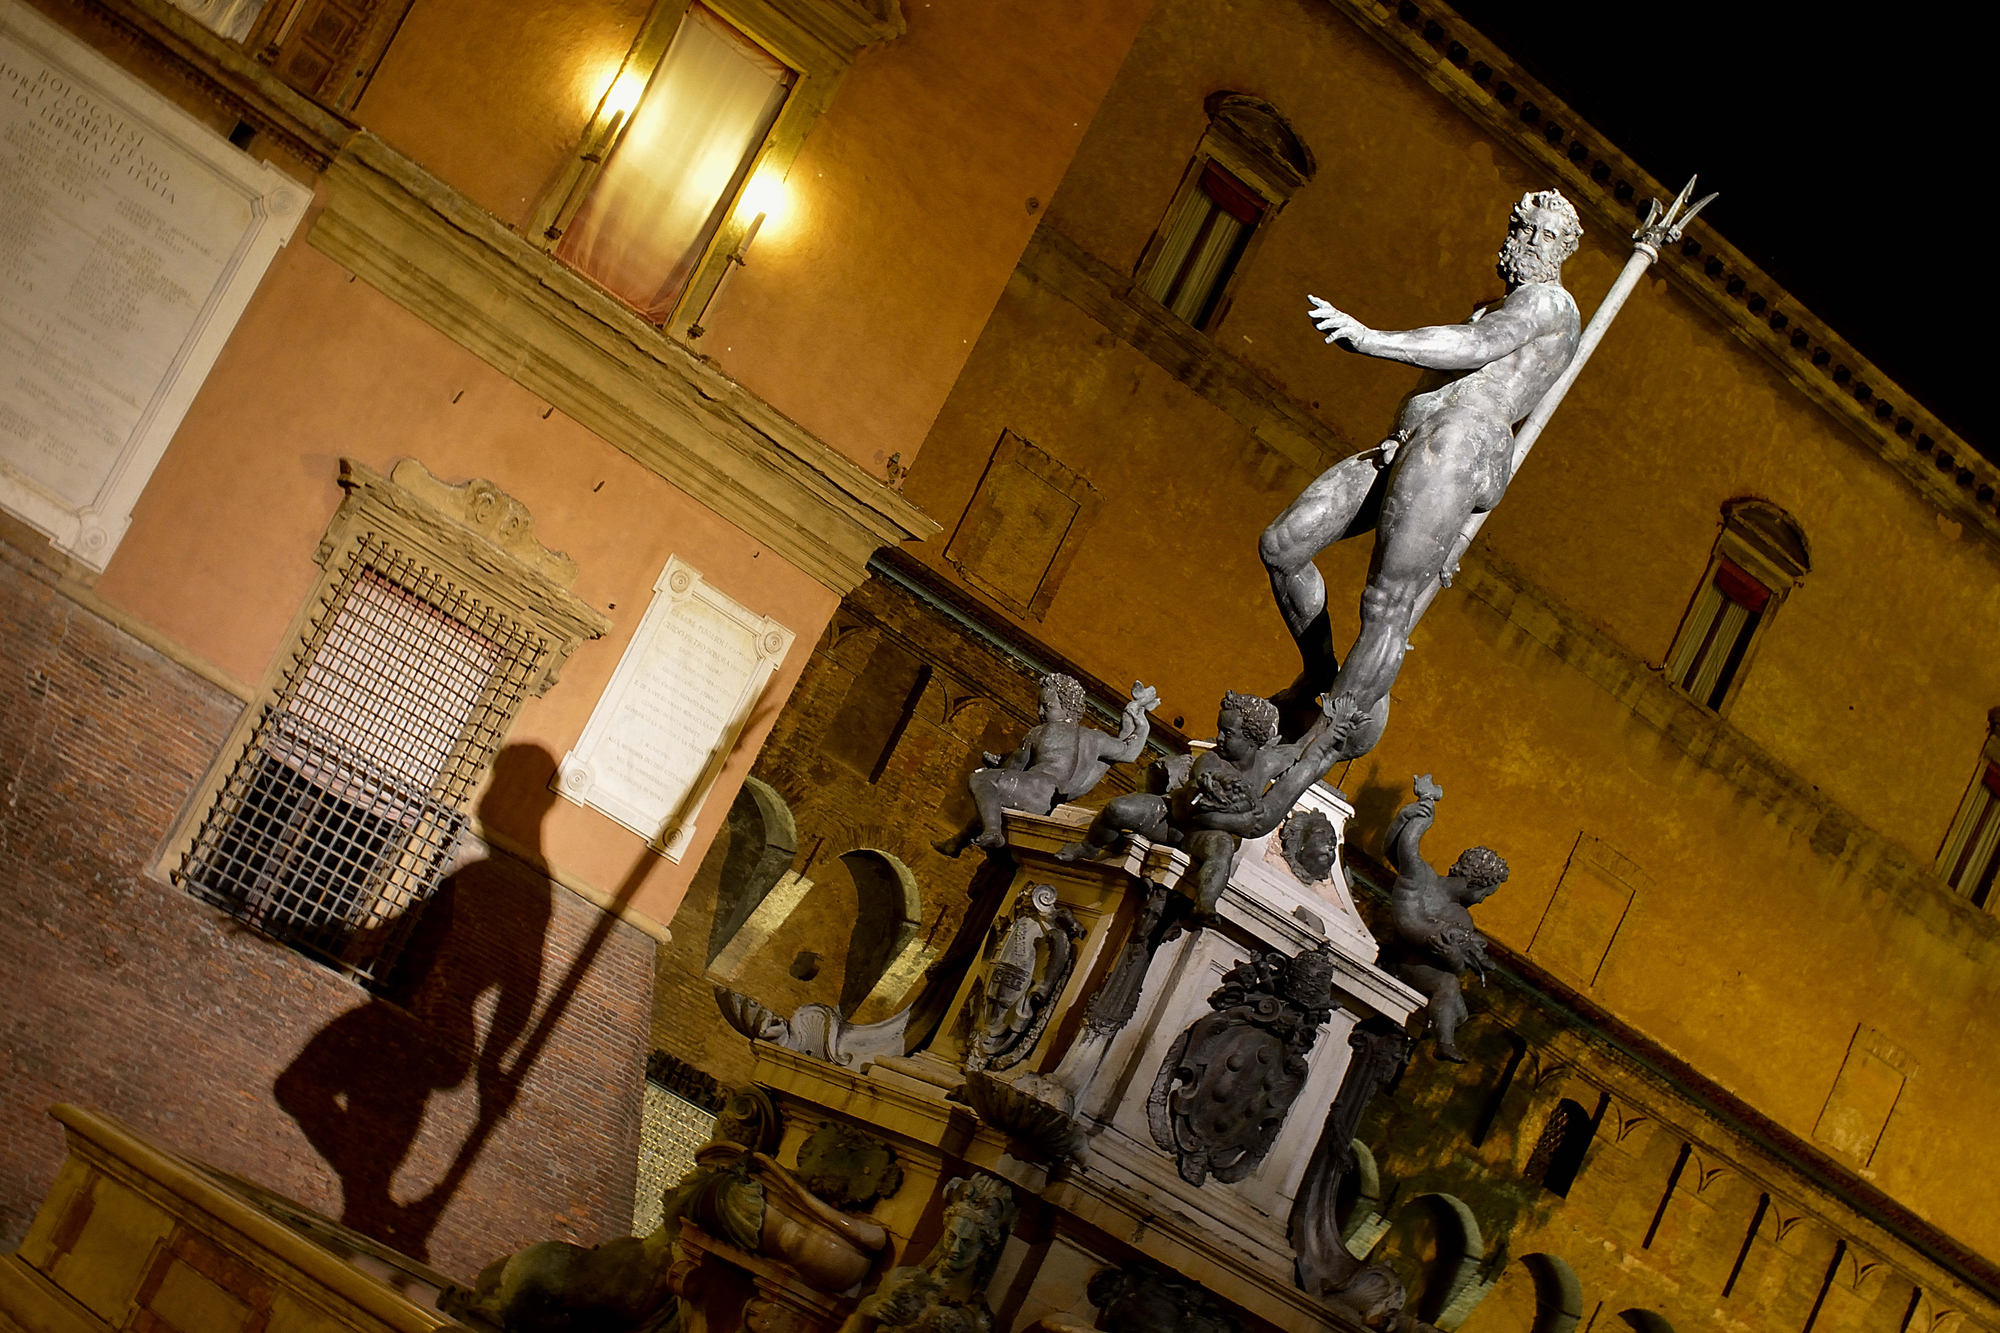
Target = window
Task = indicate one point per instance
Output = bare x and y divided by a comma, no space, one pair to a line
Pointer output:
1718,634
1203,241
658,201
676,165
1559,1152
343,798
1246,168
1759,557
1971,853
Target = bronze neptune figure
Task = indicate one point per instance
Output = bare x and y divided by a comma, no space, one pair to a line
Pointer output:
1449,458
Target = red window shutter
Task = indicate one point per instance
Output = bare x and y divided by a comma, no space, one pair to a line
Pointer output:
1231,195
1740,588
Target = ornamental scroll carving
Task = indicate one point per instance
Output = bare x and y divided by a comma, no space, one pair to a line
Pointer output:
1030,954
1224,1089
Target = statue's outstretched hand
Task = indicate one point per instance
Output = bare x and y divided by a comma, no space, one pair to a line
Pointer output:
1337,325
1143,698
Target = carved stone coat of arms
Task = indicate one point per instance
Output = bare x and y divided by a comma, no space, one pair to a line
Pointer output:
1228,1081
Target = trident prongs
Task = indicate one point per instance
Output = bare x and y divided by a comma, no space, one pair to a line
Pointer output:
1657,231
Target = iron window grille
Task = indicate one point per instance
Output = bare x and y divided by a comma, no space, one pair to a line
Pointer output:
343,811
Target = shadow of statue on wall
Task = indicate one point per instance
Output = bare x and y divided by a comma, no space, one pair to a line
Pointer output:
457,1007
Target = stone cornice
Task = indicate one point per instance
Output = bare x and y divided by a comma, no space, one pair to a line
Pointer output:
1481,80
462,271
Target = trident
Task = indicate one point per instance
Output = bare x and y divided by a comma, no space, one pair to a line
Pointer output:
1655,232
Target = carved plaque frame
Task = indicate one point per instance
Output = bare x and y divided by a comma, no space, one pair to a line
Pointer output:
587,776
275,203
984,519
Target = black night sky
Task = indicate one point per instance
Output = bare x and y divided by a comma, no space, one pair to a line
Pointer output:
1848,145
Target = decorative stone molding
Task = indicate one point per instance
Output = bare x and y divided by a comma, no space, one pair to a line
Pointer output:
479,532
462,271
1456,60
489,511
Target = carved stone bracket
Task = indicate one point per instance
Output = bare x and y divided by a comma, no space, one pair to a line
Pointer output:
1035,1110
1324,1265
818,1030
1029,956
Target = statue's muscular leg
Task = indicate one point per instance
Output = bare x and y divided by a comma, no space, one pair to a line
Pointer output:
1135,812
1341,502
1447,1005
997,789
1452,468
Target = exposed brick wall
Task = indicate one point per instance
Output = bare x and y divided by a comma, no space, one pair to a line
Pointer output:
125,995
857,773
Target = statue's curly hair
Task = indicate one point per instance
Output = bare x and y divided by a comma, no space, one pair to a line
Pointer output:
1480,867
1069,694
1260,716
1550,201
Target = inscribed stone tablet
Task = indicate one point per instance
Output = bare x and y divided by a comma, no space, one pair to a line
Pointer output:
683,690
131,237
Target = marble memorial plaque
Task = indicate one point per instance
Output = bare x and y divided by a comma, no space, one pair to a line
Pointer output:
681,695
131,237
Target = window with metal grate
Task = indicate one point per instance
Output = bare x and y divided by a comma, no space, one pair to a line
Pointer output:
342,812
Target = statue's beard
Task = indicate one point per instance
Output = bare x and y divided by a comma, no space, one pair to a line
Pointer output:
1520,264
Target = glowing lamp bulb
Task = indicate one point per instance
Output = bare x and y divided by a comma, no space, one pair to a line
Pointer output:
765,195
624,94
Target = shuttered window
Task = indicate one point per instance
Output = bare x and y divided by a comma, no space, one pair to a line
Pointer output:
1203,241
1971,852
1709,653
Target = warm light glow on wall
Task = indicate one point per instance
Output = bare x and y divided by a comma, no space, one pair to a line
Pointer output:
765,195
624,93
606,88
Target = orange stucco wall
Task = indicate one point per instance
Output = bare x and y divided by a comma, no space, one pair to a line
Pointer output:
219,557
904,211
910,206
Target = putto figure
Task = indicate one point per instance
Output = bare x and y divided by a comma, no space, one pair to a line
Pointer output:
1226,778
1059,760
1436,942
1449,458
1207,804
